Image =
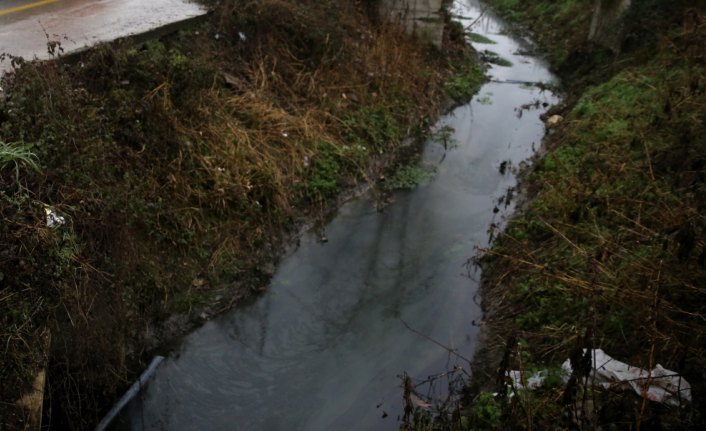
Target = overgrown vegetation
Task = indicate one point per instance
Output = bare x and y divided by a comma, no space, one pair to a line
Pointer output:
178,167
466,80
609,251
562,28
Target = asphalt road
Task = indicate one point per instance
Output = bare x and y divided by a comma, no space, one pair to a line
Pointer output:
27,25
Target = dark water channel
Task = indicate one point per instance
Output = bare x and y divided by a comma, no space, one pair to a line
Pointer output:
322,349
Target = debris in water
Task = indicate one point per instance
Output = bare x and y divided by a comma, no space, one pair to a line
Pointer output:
418,402
503,167
554,120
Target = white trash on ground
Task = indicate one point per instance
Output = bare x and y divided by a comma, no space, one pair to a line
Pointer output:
534,381
554,120
660,385
54,220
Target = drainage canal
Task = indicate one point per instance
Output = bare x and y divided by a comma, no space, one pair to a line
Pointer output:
323,348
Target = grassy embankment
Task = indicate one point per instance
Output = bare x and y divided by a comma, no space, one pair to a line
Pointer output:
609,250
180,166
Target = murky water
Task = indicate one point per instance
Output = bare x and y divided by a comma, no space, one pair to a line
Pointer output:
322,349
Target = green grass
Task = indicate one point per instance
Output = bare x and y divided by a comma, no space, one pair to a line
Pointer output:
466,80
409,177
18,155
479,38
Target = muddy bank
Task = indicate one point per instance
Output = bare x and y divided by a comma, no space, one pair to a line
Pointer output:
607,252
163,178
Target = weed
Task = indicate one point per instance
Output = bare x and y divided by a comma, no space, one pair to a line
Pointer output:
487,412
486,99
409,177
17,154
326,171
445,137
479,38
373,127
466,81
494,58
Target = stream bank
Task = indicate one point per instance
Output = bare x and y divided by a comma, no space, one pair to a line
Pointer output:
609,251
148,186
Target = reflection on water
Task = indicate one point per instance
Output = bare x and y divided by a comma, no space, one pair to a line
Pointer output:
420,17
323,348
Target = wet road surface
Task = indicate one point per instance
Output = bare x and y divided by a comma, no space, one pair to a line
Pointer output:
27,25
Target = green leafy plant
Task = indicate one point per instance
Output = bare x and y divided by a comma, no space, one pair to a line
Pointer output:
17,154
409,177
466,80
486,411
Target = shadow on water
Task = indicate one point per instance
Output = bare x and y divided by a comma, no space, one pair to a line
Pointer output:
324,347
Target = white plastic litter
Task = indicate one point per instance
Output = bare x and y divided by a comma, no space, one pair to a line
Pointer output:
659,385
54,220
533,382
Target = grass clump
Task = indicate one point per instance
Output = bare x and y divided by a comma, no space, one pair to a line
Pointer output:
494,58
466,80
479,38
17,155
409,177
